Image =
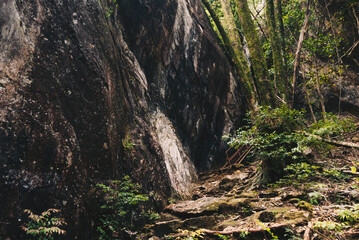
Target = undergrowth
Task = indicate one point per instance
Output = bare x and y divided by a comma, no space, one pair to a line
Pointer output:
281,136
124,209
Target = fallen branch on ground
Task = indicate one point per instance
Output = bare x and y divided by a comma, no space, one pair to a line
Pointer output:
334,142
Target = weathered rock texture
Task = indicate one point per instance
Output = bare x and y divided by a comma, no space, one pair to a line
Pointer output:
145,91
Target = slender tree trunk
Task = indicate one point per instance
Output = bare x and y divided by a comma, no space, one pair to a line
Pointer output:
307,96
263,84
321,98
303,31
249,91
280,26
279,73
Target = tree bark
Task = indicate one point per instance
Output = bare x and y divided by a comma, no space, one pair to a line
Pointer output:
280,26
264,87
279,82
303,31
250,93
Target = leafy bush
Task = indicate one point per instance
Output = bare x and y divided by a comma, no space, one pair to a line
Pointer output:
124,209
274,138
44,226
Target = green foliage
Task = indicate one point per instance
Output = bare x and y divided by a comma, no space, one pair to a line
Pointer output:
110,9
300,171
187,235
243,234
124,209
127,144
349,216
290,235
222,237
279,137
44,226
328,226
267,229
332,127
315,198
273,137
323,45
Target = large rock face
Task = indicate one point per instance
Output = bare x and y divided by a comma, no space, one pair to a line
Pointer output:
87,97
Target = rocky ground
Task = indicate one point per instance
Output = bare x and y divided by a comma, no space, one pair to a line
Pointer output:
317,201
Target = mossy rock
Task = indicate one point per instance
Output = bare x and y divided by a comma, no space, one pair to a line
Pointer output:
249,194
269,193
215,206
267,216
270,214
305,206
293,215
237,203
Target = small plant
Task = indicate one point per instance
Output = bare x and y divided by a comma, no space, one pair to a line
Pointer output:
110,9
44,226
315,198
268,230
243,234
290,234
274,139
333,126
127,144
124,209
190,235
328,226
222,237
349,216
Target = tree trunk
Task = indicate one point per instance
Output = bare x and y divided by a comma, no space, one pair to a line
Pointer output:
303,31
263,84
234,57
280,26
279,82
307,96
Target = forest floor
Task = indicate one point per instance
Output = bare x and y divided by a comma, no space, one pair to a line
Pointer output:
317,201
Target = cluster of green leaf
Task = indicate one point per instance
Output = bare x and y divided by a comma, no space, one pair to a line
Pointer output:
124,209
333,126
111,8
315,198
300,171
348,216
44,226
127,144
323,45
328,226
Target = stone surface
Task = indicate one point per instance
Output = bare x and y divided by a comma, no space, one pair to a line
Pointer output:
76,86
198,207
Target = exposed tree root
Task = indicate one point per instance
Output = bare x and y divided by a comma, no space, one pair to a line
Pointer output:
249,230
306,235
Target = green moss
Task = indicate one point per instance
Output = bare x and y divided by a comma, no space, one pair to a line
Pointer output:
305,206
